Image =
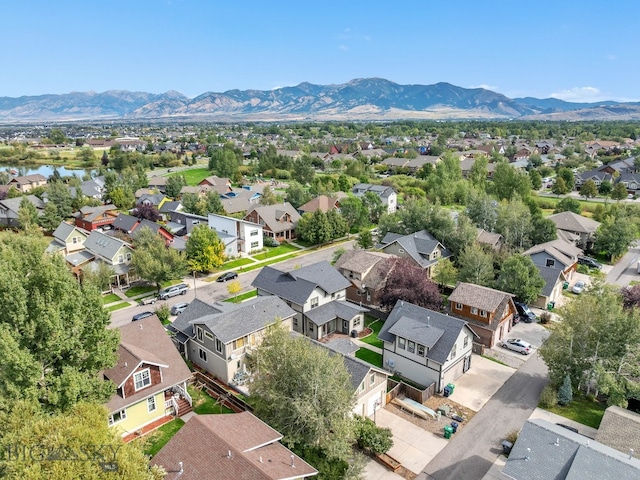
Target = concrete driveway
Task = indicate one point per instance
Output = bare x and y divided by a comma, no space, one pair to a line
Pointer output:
475,387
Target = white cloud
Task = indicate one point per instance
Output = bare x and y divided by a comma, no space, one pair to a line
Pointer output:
579,94
486,87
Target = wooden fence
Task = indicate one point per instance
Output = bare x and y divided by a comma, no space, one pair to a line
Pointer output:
420,396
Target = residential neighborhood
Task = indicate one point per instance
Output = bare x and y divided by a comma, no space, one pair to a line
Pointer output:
406,285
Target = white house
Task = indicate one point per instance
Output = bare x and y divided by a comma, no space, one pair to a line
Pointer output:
388,195
248,234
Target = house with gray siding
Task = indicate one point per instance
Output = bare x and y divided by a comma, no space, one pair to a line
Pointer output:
556,254
420,247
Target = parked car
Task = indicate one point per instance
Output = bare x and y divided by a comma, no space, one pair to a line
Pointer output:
589,262
148,300
140,316
227,276
178,308
180,289
525,313
578,287
517,345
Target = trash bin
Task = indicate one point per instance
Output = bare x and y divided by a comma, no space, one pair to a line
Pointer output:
447,391
506,447
551,305
565,285
451,388
454,426
448,431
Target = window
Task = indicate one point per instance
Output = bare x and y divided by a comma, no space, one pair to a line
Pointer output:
254,232
453,351
128,257
458,306
483,313
400,250
120,258
255,244
372,379
118,417
310,327
202,354
474,310
411,346
239,343
142,379
356,321
361,389
401,343
314,302
151,404
75,240
209,335
466,342
550,262
295,322
421,350
199,333
218,346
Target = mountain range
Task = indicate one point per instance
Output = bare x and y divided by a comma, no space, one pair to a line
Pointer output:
359,99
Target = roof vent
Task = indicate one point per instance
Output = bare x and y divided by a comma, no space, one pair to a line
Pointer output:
526,459
181,470
631,453
293,464
557,442
229,454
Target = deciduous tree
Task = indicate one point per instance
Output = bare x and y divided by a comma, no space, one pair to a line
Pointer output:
155,262
205,251
619,192
614,236
146,211
520,276
568,205
589,189
475,266
407,281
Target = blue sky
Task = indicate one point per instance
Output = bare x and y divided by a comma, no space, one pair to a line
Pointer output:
575,50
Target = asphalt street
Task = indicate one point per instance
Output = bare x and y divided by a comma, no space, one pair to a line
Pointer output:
473,450
625,270
213,291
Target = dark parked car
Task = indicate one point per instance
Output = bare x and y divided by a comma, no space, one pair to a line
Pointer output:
142,315
589,262
525,313
227,276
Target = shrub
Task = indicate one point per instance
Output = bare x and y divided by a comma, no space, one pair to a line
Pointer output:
565,393
270,241
548,397
545,317
512,436
371,437
163,313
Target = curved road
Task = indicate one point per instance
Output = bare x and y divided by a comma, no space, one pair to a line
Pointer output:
473,450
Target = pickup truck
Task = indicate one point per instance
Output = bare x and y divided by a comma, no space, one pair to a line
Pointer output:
180,289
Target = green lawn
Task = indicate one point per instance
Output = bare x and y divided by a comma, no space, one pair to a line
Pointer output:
272,252
237,263
110,298
139,290
376,325
203,403
243,296
194,176
117,306
369,356
157,439
582,410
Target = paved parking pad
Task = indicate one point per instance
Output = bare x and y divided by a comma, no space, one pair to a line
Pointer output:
413,446
477,385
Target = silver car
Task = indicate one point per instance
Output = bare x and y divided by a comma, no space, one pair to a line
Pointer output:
178,308
578,287
517,345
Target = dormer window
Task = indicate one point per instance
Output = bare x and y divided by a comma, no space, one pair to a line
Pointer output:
142,379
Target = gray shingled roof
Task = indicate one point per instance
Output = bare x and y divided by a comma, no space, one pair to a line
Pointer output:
103,245
416,330
419,246
343,346
233,321
574,222
63,231
336,309
425,318
546,451
551,276
170,206
125,222
297,285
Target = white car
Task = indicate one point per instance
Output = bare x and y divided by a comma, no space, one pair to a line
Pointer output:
517,345
578,287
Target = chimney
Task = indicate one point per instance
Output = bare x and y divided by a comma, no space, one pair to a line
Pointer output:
293,465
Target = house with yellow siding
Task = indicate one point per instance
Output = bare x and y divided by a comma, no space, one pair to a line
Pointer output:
150,378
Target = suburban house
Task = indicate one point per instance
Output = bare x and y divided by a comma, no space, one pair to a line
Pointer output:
367,271
217,184
553,284
546,450
278,221
248,235
583,229
323,203
67,239
150,378
181,223
92,188
317,295
631,182
26,183
556,254
168,207
217,337
99,247
387,195
495,241
426,346
240,200
133,225
234,446
620,429
152,199
158,183
421,247
91,218
598,176
369,382
10,207
489,312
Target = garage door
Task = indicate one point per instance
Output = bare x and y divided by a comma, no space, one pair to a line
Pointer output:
453,373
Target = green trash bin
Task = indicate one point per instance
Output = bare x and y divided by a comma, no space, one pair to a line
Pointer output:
448,430
565,285
451,387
